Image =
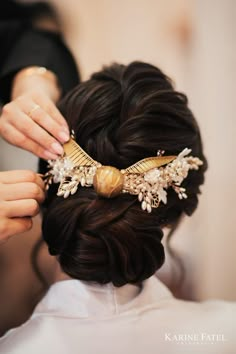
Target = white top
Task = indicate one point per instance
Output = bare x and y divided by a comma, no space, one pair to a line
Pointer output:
75,318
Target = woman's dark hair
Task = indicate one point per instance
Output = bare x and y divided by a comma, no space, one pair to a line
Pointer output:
121,115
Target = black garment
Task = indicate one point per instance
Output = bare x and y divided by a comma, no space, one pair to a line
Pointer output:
12,9
21,45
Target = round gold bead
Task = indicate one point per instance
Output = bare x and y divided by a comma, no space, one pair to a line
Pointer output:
108,181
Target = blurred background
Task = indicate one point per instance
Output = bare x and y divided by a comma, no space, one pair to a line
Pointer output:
193,41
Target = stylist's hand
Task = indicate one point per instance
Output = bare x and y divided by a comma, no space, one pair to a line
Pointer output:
21,192
31,120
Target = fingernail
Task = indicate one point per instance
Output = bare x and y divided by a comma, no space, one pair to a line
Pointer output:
64,137
50,156
57,148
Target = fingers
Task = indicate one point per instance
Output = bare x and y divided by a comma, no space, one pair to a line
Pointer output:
15,137
19,208
32,129
45,103
33,122
20,176
15,217
39,181
11,227
45,114
19,191
16,185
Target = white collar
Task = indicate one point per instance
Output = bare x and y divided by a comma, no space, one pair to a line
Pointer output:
75,298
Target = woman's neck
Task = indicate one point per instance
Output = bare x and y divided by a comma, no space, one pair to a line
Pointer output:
59,275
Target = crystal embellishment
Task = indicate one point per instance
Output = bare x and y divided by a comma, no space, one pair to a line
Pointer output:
149,184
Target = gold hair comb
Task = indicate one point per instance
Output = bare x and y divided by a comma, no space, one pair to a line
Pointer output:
148,178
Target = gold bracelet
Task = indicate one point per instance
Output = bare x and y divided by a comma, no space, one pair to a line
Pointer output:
39,70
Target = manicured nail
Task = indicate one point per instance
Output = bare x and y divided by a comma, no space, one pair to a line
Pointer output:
49,155
64,137
57,148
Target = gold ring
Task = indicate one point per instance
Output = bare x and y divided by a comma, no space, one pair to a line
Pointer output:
33,109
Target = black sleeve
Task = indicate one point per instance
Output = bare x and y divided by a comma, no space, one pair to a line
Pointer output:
31,47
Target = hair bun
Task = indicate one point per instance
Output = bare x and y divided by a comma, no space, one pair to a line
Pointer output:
125,247
120,116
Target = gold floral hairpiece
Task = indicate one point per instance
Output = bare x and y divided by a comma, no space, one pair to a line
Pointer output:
148,178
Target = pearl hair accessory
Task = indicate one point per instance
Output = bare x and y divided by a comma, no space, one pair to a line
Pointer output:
149,178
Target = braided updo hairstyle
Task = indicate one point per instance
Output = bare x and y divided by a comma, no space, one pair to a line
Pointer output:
121,115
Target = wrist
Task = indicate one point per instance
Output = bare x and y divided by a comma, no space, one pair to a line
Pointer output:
36,77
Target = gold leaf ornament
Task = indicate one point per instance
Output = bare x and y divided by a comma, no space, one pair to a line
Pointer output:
148,178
